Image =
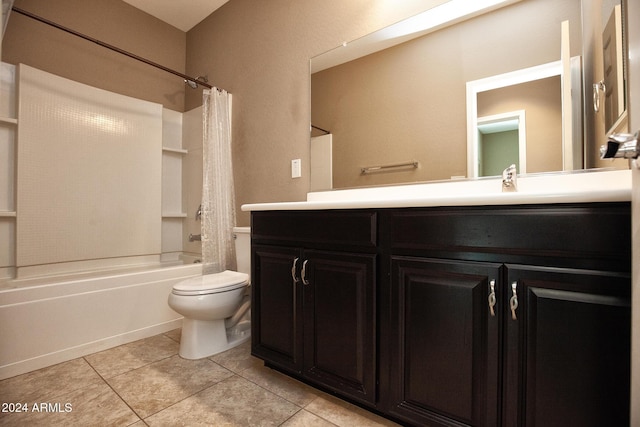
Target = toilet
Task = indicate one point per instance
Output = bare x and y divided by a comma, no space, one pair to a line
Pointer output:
216,307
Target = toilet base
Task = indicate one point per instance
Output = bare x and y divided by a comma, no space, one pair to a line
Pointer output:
202,338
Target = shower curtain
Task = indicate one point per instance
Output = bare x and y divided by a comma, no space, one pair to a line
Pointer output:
218,199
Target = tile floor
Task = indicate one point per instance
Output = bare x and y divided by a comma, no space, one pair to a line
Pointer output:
147,383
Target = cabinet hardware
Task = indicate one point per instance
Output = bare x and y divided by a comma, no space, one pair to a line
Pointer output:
293,271
513,302
492,297
304,272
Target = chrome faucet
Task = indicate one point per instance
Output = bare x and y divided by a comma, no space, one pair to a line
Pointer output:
509,179
621,145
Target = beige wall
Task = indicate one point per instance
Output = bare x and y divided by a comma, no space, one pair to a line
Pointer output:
260,51
111,21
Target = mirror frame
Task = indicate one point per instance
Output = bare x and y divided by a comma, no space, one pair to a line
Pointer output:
575,157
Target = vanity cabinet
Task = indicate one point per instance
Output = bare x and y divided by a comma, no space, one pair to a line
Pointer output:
314,298
518,316
452,316
445,352
567,349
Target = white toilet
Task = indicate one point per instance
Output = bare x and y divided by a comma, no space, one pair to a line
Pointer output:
216,307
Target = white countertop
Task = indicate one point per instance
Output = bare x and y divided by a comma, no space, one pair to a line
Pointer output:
576,187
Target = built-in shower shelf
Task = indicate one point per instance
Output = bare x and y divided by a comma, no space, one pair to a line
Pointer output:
7,214
8,120
174,215
174,150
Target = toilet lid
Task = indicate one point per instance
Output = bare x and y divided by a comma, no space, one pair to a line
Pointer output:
211,283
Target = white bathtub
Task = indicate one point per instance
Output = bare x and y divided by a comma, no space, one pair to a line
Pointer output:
46,321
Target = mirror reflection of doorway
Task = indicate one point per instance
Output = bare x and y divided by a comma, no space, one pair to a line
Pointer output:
501,142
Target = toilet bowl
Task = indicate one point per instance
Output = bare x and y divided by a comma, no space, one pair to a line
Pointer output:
216,307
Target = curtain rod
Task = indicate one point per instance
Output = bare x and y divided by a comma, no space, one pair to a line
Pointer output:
108,46
320,129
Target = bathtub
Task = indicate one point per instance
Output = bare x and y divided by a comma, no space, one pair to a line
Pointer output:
46,321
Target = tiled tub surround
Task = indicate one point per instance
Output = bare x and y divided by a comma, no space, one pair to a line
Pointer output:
147,383
78,149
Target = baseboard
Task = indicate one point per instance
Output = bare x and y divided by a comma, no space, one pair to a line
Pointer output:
50,359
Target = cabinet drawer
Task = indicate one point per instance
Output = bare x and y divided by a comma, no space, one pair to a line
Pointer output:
316,229
582,236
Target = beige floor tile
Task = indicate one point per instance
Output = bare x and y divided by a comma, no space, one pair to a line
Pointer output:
307,419
127,357
174,334
238,358
48,383
147,379
344,414
292,390
95,405
232,402
156,386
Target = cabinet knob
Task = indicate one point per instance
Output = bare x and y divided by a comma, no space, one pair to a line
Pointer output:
293,271
304,272
513,302
492,297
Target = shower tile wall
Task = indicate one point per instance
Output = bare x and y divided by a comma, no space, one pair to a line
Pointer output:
89,172
192,176
7,169
182,183
178,191
173,210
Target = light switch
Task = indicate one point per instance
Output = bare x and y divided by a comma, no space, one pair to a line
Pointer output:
296,168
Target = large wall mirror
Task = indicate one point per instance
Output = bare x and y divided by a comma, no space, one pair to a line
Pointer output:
392,107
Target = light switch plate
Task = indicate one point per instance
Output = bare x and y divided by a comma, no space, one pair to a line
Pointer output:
296,168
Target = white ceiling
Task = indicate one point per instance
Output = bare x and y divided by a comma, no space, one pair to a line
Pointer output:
183,15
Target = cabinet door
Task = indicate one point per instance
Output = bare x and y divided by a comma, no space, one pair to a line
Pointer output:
340,327
276,307
445,342
568,348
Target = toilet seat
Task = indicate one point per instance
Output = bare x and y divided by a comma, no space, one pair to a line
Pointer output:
211,283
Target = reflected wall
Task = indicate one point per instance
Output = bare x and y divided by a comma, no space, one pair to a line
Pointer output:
408,102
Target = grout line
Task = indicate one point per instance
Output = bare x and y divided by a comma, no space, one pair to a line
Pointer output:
239,371
193,394
104,380
185,398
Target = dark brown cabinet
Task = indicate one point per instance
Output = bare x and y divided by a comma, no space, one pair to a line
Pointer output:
567,349
514,316
446,348
277,308
565,345
339,322
465,316
314,310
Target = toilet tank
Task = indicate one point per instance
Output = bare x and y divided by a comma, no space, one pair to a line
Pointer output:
243,249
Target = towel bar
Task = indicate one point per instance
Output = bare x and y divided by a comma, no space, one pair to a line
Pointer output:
381,168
